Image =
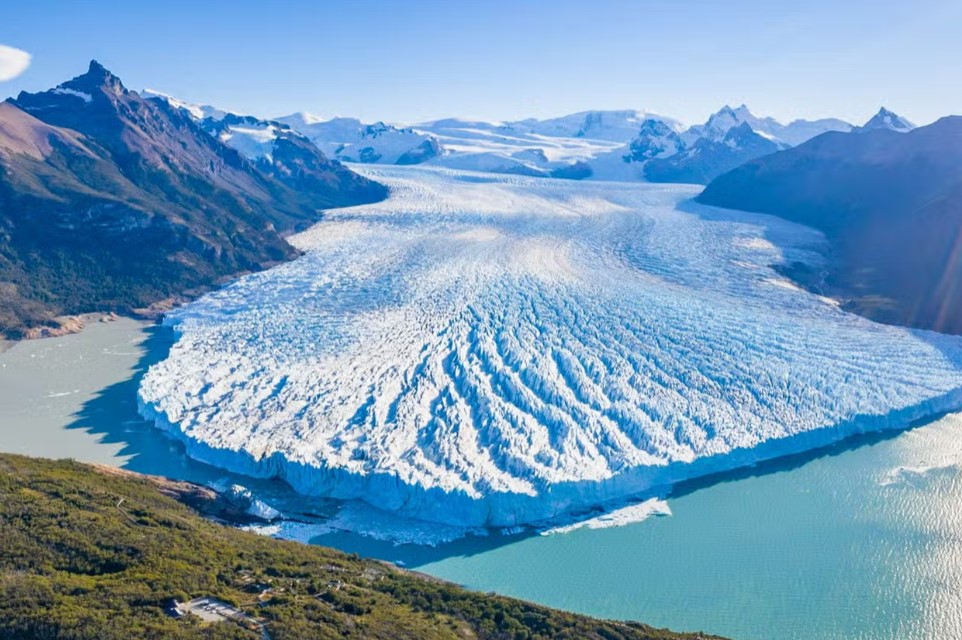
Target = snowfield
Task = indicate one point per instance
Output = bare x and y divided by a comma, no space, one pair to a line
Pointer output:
490,350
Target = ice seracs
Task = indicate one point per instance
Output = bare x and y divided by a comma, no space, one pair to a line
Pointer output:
492,350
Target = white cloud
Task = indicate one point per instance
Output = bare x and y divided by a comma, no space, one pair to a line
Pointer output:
13,62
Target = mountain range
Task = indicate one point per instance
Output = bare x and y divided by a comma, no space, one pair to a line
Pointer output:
603,145
110,201
624,145
888,197
702,152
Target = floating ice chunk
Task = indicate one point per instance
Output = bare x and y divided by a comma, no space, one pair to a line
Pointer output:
289,530
361,519
913,475
617,518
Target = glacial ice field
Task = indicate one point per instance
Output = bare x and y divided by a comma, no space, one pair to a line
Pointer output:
490,350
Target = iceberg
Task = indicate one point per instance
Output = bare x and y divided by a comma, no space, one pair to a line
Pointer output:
617,517
488,350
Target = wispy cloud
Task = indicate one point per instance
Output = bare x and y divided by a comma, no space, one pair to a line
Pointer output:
13,62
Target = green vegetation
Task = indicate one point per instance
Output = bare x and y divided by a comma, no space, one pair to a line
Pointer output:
87,554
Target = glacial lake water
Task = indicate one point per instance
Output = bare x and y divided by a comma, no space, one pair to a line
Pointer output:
862,541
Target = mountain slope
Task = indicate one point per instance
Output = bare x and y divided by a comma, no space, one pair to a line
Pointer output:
291,158
110,201
98,555
892,204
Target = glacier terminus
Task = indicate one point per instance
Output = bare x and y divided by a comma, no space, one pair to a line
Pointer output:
495,350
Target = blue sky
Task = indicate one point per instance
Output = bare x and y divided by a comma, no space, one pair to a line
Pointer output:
417,60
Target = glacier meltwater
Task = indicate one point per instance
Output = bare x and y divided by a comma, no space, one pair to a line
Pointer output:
490,350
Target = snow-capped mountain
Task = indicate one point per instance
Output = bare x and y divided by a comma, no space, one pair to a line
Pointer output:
798,131
196,111
729,137
709,156
791,134
610,126
886,119
351,140
615,126
726,118
252,137
623,145
273,147
567,146
655,139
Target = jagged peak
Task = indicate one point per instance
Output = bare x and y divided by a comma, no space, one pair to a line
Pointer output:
95,68
741,112
96,77
742,128
887,119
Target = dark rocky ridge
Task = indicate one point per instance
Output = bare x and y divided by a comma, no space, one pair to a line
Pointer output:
112,202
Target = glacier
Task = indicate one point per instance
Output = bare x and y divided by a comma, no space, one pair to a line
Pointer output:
488,350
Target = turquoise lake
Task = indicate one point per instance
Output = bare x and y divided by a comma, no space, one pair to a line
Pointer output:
862,541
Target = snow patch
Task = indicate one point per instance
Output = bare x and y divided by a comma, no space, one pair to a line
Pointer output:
196,111
86,97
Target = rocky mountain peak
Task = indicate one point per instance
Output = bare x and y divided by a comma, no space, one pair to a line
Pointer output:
97,78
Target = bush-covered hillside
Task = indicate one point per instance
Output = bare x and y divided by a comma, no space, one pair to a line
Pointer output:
91,555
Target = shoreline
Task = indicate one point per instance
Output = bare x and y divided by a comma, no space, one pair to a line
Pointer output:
68,325
71,324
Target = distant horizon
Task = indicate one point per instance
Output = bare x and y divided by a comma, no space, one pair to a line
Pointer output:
426,60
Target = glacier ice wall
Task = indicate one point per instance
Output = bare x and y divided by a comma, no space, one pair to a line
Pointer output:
492,350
